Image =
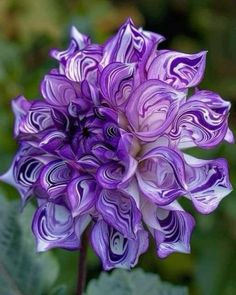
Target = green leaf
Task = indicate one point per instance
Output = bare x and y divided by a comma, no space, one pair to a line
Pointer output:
122,282
22,271
59,290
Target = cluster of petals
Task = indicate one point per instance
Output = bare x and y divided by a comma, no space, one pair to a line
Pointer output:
105,148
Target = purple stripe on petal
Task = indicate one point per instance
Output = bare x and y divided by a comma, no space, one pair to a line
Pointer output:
117,81
82,194
114,249
171,226
83,65
197,124
20,107
119,210
24,171
53,226
178,69
152,108
130,45
78,42
110,175
55,176
59,91
208,182
161,175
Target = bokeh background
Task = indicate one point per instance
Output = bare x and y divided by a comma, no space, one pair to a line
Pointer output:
28,29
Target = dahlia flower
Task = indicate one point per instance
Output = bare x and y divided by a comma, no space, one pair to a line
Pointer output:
105,147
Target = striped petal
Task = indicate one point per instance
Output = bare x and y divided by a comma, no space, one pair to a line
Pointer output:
161,175
59,91
171,227
82,194
152,108
208,182
53,226
114,249
54,177
83,65
24,171
199,123
180,70
20,107
117,82
130,45
120,211
78,42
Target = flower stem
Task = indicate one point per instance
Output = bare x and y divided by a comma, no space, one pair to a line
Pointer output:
82,264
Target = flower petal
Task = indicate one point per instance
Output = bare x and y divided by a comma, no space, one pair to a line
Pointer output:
161,175
20,107
178,69
171,227
114,249
199,124
59,91
78,42
38,118
208,182
53,226
82,194
83,65
114,174
55,176
52,141
24,171
130,45
117,81
119,210
152,108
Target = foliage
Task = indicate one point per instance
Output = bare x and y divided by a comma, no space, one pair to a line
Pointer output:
22,272
122,282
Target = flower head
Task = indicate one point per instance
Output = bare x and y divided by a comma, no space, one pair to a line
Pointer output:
106,146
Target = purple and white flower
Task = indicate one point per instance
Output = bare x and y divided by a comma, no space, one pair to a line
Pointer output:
105,147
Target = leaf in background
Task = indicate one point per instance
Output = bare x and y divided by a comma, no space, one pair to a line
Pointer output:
59,290
22,271
122,282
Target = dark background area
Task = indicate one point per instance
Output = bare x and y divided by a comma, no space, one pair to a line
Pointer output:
29,29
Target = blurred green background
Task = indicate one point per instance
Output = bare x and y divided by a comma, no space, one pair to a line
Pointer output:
29,28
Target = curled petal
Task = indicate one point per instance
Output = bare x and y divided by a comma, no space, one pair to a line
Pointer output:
117,81
119,210
102,152
152,108
82,194
53,226
59,91
37,119
52,141
54,177
171,227
216,104
114,249
20,107
83,65
116,174
89,162
78,42
110,175
161,175
24,171
130,45
208,182
178,69
198,124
